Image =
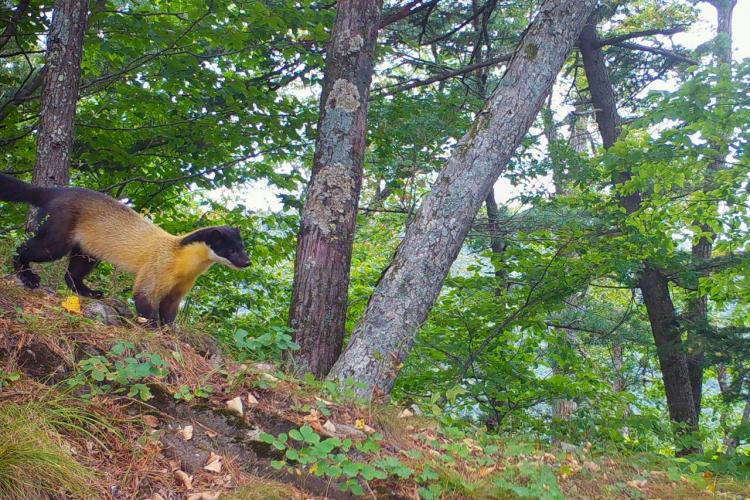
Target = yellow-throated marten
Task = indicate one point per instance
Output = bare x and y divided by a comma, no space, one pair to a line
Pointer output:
91,226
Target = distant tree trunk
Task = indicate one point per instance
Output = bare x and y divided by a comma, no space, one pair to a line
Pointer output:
618,362
324,246
732,441
697,310
60,93
409,287
652,282
482,51
497,242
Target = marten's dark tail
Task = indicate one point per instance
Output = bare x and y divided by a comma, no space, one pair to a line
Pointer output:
11,189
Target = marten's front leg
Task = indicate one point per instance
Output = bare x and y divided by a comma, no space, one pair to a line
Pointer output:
146,310
146,305
169,307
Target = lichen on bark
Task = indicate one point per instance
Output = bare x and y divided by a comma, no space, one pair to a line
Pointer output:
344,95
333,189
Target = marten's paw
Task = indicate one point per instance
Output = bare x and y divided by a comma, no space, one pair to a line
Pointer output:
87,292
29,279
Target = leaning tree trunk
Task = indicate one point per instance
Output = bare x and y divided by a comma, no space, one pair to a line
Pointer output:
62,75
324,246
652,282
409,287
697,310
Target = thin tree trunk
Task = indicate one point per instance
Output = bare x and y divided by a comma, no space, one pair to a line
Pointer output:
732,442
60,93
409,287
497,242
697,310
483,51
652,282
618,362
324,246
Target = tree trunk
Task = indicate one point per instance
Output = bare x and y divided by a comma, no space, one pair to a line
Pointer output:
60,93
732,442
672,360
697,310
324,246
410,285
652,282
497,243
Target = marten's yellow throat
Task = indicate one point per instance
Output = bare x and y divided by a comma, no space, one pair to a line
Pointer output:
90,226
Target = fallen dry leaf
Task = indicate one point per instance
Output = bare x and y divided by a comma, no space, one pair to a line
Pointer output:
589,465
486,471
214,463
330,427
150,420
406,413
204,495
185,479
236,405
265,367
251,400
187,432
324,401
72,304
637,484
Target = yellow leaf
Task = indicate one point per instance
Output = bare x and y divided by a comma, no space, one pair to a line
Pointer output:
72,304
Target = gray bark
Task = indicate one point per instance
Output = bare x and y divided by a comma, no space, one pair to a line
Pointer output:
62,76
324,246
409,287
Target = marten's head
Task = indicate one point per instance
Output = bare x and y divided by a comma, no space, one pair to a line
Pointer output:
224,242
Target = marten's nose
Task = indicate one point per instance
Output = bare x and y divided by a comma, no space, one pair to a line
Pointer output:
243,261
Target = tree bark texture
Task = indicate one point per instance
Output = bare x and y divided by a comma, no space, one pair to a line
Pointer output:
652,282
410,285
62,76
324,246
670,349
697,309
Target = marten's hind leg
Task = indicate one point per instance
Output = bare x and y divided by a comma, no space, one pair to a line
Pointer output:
80,265
51,241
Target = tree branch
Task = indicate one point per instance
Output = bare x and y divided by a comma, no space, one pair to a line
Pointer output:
12,27
656,50
444,76
407,10
638,34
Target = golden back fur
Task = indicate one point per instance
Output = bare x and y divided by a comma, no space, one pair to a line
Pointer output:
110,231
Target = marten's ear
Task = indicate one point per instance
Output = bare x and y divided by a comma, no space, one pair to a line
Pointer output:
215,236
